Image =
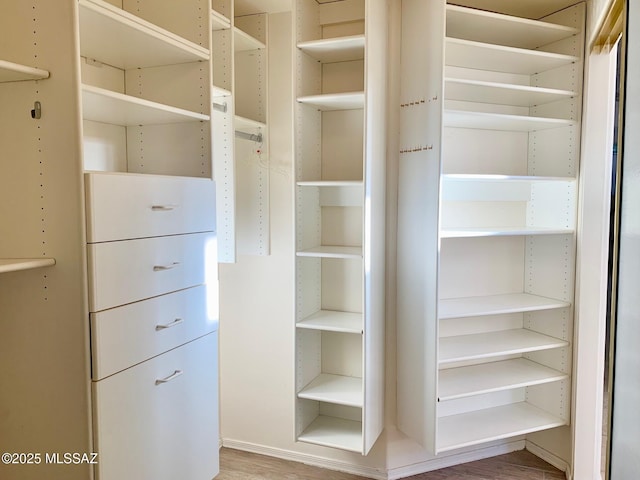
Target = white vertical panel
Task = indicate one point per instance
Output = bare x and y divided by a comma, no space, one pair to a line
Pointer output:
43,313
224,174
423,23
375,151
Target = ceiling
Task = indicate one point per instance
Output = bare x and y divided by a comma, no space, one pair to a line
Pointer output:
521,8
247,7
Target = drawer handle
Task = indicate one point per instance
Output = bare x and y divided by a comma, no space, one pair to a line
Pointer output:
176,322
162,268
173,376
163,208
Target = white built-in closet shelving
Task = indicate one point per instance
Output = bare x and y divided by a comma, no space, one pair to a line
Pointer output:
339,221
14,72
489,153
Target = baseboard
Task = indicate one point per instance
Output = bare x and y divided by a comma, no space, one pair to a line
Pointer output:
307,459
455,459
550,458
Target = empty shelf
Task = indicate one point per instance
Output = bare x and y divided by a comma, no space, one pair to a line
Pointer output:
244,42
497,58
493,344
471,232
14,72
331,183
334,432
132,41
336,389
471,177
219,21
333,321
499,121
220,92
340,49
243,123
501,93
489,27
17,264
492,377
457,431
496,305
105,106
335,101
331,251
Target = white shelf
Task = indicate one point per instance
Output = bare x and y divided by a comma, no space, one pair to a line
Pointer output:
489,27
496,305
219,21
220,92
336,389
472,177
335,101
473,232
457,431
493,377
501,93
244,42
496,58
16,264
331,183
243,123
333,321
14,72
331,251
105,106
499,121
334,432
486,345
339,49
132,41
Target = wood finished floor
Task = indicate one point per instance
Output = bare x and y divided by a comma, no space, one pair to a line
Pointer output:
521,465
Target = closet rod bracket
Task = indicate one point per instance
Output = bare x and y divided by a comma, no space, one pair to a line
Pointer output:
36,112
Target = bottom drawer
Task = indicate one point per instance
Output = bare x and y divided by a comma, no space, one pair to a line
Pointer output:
159,419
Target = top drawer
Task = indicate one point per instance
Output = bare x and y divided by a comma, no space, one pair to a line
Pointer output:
122,206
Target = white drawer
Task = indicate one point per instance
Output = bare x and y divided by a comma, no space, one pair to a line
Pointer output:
124,206
127,335
131,270
146,430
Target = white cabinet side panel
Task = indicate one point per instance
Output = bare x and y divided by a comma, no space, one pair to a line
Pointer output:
423,23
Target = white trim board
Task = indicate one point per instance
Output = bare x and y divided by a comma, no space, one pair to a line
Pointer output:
307,459
442,461
549,457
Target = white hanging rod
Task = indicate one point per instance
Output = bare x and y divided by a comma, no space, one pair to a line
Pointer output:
254,137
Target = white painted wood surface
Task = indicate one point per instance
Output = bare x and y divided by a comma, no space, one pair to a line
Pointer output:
333,321
334,432
335,101
337,389
340,49
496,305
14,72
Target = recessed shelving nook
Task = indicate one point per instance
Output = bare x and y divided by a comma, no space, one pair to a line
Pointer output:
339,221
497,114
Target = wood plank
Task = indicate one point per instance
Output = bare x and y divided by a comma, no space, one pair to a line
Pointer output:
331,251
337,389
101,105
496,58
473,428
492,377
334,432
503,122
133,42
333,321
339,49
496,305
502,93
489,27
492,344
15,72
335,101
17,264
523,230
